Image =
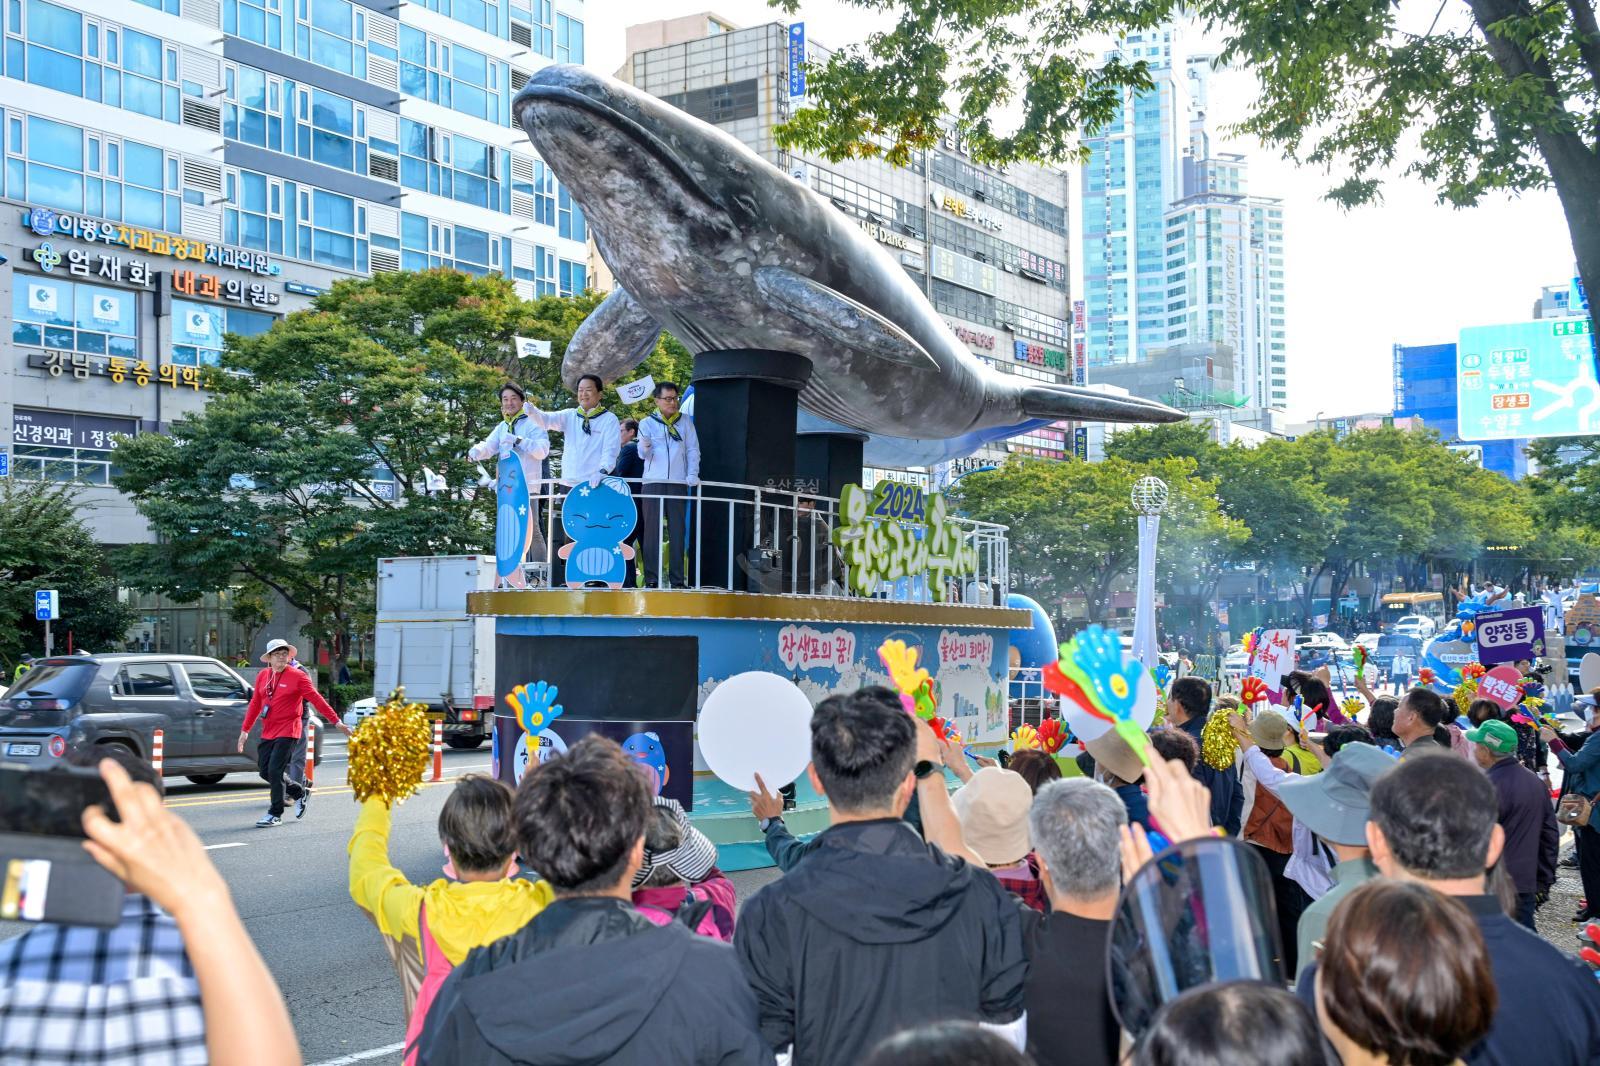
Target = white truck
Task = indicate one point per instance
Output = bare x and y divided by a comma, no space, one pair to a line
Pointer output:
430,646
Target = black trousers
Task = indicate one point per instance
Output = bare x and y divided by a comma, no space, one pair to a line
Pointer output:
1588,841
677,514
272,759
1291,901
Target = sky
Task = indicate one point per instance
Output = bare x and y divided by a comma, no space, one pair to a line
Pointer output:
1406,271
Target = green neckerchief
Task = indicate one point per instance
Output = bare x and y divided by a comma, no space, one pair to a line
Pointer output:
587,415
670,423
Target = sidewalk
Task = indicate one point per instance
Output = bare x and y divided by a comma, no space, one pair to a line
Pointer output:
1554,918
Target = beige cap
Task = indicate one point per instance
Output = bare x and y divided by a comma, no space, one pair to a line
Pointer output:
1112,753
993,808
1270,729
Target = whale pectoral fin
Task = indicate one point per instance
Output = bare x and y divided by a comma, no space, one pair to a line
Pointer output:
840,319
1086,405
616,337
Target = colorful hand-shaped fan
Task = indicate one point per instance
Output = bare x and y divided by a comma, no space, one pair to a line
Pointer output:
912,681
1473,671
1103,686
1252,690
1358,657
1025,737
535,709
1426,676
1352,707
1052,735
944,730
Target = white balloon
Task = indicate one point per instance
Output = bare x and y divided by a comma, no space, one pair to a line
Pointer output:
756,723
1589,672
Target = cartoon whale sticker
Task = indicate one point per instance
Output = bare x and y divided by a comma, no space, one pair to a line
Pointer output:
598,518
647,749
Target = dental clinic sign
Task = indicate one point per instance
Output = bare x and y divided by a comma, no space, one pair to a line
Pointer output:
895,531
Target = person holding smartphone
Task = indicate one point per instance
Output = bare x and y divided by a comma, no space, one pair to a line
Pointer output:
280,691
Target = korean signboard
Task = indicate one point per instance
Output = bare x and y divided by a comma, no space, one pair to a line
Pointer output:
1039,355
1506,636
959,269
120,370
797,60
960,207
1527,379
48,223
64,429
1274,657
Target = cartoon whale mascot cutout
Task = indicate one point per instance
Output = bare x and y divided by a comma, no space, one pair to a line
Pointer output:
513,524
598,518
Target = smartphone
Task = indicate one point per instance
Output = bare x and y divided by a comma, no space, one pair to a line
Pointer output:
45,873
50,802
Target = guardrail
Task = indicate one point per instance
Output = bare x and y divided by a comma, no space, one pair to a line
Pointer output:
755,539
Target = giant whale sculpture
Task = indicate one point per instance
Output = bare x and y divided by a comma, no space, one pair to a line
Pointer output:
723,249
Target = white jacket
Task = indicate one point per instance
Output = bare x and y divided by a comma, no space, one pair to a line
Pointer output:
666,459
526,438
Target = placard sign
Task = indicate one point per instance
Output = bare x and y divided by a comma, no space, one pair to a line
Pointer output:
1274,656
1506,636
1501,686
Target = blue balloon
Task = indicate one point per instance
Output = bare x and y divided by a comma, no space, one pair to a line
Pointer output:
1036,644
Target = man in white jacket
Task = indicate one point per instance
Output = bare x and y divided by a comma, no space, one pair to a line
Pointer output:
591,438
518,434
671,451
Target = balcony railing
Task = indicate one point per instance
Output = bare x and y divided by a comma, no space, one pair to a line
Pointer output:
749,538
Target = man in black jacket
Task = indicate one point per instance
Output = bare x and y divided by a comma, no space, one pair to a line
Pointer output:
1435,820
1188,707
592,980
878,930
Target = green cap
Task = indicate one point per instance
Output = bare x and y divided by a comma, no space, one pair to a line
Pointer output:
1495,735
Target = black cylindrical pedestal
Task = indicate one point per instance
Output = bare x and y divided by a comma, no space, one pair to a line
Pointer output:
744,412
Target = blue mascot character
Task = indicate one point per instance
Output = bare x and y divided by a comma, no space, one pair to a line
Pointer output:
647,749
598,518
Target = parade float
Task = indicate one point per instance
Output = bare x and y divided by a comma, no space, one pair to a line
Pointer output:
815,353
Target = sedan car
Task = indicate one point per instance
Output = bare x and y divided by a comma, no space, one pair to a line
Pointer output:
1414,625
68,703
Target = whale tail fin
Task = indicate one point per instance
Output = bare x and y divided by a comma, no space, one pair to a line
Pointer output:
1086,405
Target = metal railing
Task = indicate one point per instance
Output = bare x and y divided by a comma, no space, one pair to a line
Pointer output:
756,539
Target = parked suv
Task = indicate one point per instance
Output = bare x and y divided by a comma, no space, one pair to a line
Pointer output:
71,702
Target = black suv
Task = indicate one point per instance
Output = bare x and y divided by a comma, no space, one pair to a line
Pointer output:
68,702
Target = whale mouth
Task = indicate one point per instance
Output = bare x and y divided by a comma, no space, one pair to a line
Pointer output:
538,94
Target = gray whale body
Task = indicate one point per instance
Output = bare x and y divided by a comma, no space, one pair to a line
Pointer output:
713,243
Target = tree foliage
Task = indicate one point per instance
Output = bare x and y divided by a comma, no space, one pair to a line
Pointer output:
1490,96
44,546
326,440
1386,503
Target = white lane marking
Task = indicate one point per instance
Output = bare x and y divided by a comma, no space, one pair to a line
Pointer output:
234,844
362,1056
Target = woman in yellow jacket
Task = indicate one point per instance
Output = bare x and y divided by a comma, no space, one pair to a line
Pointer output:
428,931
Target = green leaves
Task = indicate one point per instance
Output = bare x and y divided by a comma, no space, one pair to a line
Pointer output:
43,545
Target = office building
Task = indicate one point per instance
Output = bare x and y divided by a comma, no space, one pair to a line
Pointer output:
1425,387
1175,250
990,248
176,170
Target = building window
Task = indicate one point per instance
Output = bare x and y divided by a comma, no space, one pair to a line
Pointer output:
62,446
70,316
254,218
720,103
198,330
574,277
449,165
452,76
103,62
569,40
479,14
260,21
60,166
571,224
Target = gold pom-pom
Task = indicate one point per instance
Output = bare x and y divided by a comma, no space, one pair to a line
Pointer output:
1464,694
1216,740
389,751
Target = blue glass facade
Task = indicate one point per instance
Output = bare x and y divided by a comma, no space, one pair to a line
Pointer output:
1425,387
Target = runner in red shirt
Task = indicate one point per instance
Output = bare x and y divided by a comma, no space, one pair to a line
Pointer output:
283,692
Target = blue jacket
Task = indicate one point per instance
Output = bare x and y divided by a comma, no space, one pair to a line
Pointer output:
1549,1010
1582,766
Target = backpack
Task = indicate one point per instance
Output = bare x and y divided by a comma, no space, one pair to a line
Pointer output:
1270,824
696,912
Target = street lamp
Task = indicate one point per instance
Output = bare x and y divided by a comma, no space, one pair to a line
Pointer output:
1149,498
